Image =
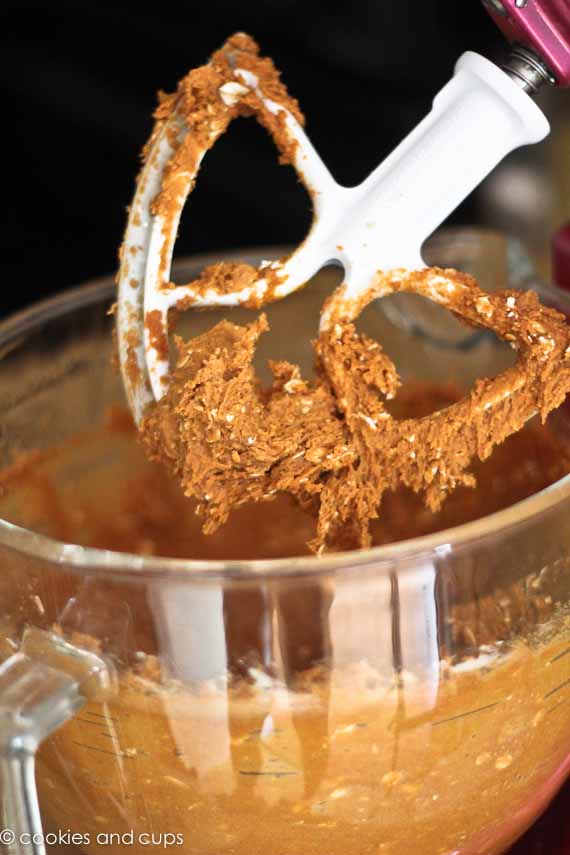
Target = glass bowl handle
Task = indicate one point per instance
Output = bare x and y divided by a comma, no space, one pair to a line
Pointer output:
41,686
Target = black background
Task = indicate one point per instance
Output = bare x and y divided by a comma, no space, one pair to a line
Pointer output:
79,82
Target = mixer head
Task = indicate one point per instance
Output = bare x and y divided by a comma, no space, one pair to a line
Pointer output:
540,31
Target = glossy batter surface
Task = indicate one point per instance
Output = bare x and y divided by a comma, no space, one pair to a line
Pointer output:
99,490
351,765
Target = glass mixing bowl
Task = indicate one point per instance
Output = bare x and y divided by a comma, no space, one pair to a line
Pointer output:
409,698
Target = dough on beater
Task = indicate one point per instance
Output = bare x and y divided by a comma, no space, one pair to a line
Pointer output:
331,443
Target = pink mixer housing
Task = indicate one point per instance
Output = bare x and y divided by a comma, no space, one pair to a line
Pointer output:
541,25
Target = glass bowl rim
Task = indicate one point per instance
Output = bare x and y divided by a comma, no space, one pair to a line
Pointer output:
405,552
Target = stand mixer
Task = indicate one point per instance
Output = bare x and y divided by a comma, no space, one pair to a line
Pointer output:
479,117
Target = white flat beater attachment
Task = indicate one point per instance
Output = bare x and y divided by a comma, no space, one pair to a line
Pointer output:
477,118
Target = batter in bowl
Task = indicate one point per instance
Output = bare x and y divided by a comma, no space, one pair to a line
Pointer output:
339,755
